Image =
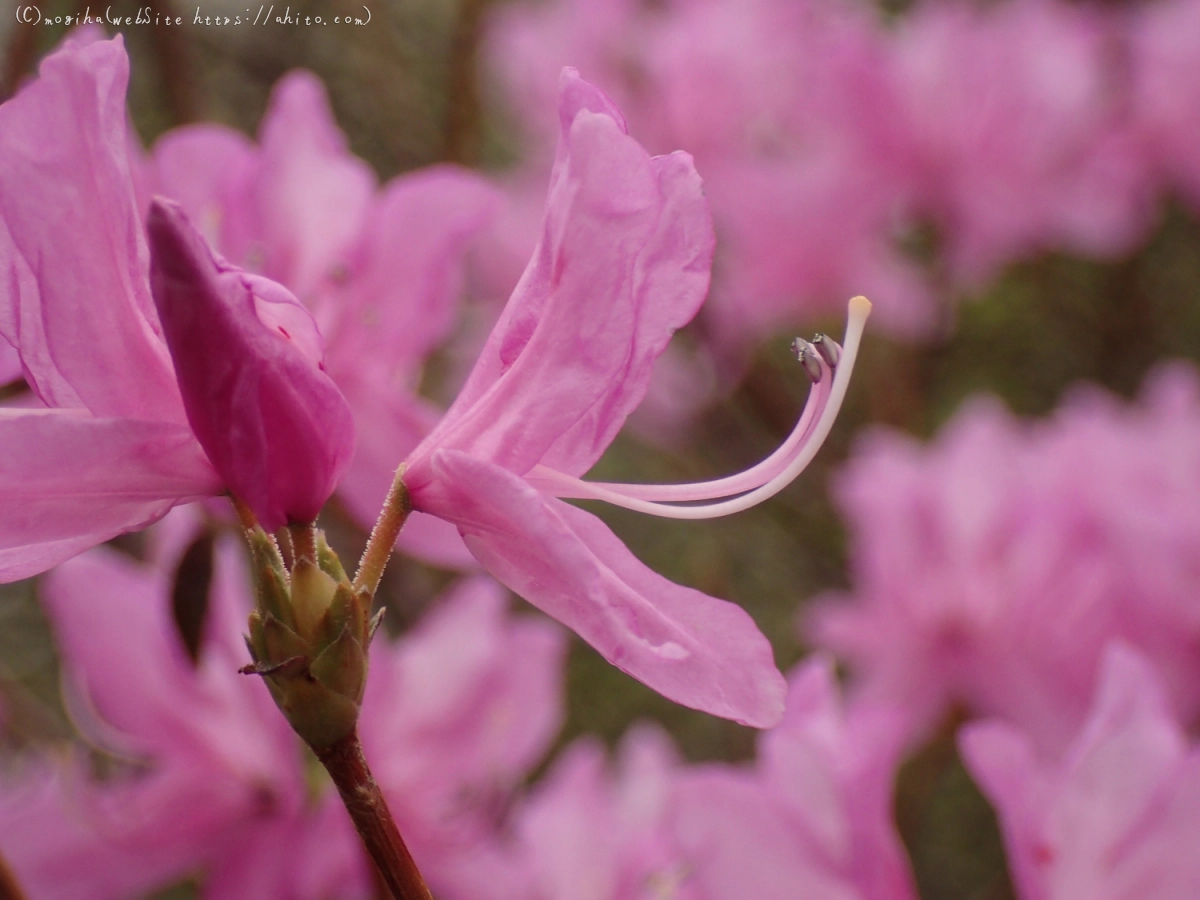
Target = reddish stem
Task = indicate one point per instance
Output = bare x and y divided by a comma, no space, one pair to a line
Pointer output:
346,766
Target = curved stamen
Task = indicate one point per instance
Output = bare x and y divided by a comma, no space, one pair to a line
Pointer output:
756,484
567,487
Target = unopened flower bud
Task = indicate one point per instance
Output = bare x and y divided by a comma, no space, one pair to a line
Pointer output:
248,359
309,636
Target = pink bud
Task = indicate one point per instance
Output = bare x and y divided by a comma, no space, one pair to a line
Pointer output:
248,358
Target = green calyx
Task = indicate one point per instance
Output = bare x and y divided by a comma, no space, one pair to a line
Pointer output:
309,635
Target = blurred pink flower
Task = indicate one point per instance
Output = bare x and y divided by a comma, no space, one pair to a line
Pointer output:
51,824
1165,40
210,777
380,270
528,46
623,261
1017,120
112,451
1116,817
812,819
588,831
992,567
789,110
455,716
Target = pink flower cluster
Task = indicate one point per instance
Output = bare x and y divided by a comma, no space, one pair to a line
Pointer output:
1038,577
206,781
828,138
207,778
248,365
1043,576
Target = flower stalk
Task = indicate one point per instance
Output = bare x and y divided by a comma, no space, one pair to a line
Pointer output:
347,767
396,509
309,634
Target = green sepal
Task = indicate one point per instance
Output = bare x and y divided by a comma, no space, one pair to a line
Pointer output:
265,553
342,667
280,642
320,716
274,596
329,562
341,615
256,641
307,639
375,623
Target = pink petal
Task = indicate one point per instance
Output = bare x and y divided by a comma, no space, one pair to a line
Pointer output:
1090,824
724,818
571,829
310,192
623,261
60,850
10,364
695,649
101,605
203,168
474,693
406,274
74,297
68,482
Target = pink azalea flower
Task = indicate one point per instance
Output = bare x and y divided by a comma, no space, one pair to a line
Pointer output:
1166,89
380,269
112,450
812,819
216,783
1019,134
1116,817
623,261
992,567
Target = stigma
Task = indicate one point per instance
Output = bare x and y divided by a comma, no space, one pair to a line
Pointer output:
827,365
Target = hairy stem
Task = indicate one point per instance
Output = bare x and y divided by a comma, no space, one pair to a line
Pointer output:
395,512
348,769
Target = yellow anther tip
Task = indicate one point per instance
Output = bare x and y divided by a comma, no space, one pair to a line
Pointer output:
860,306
